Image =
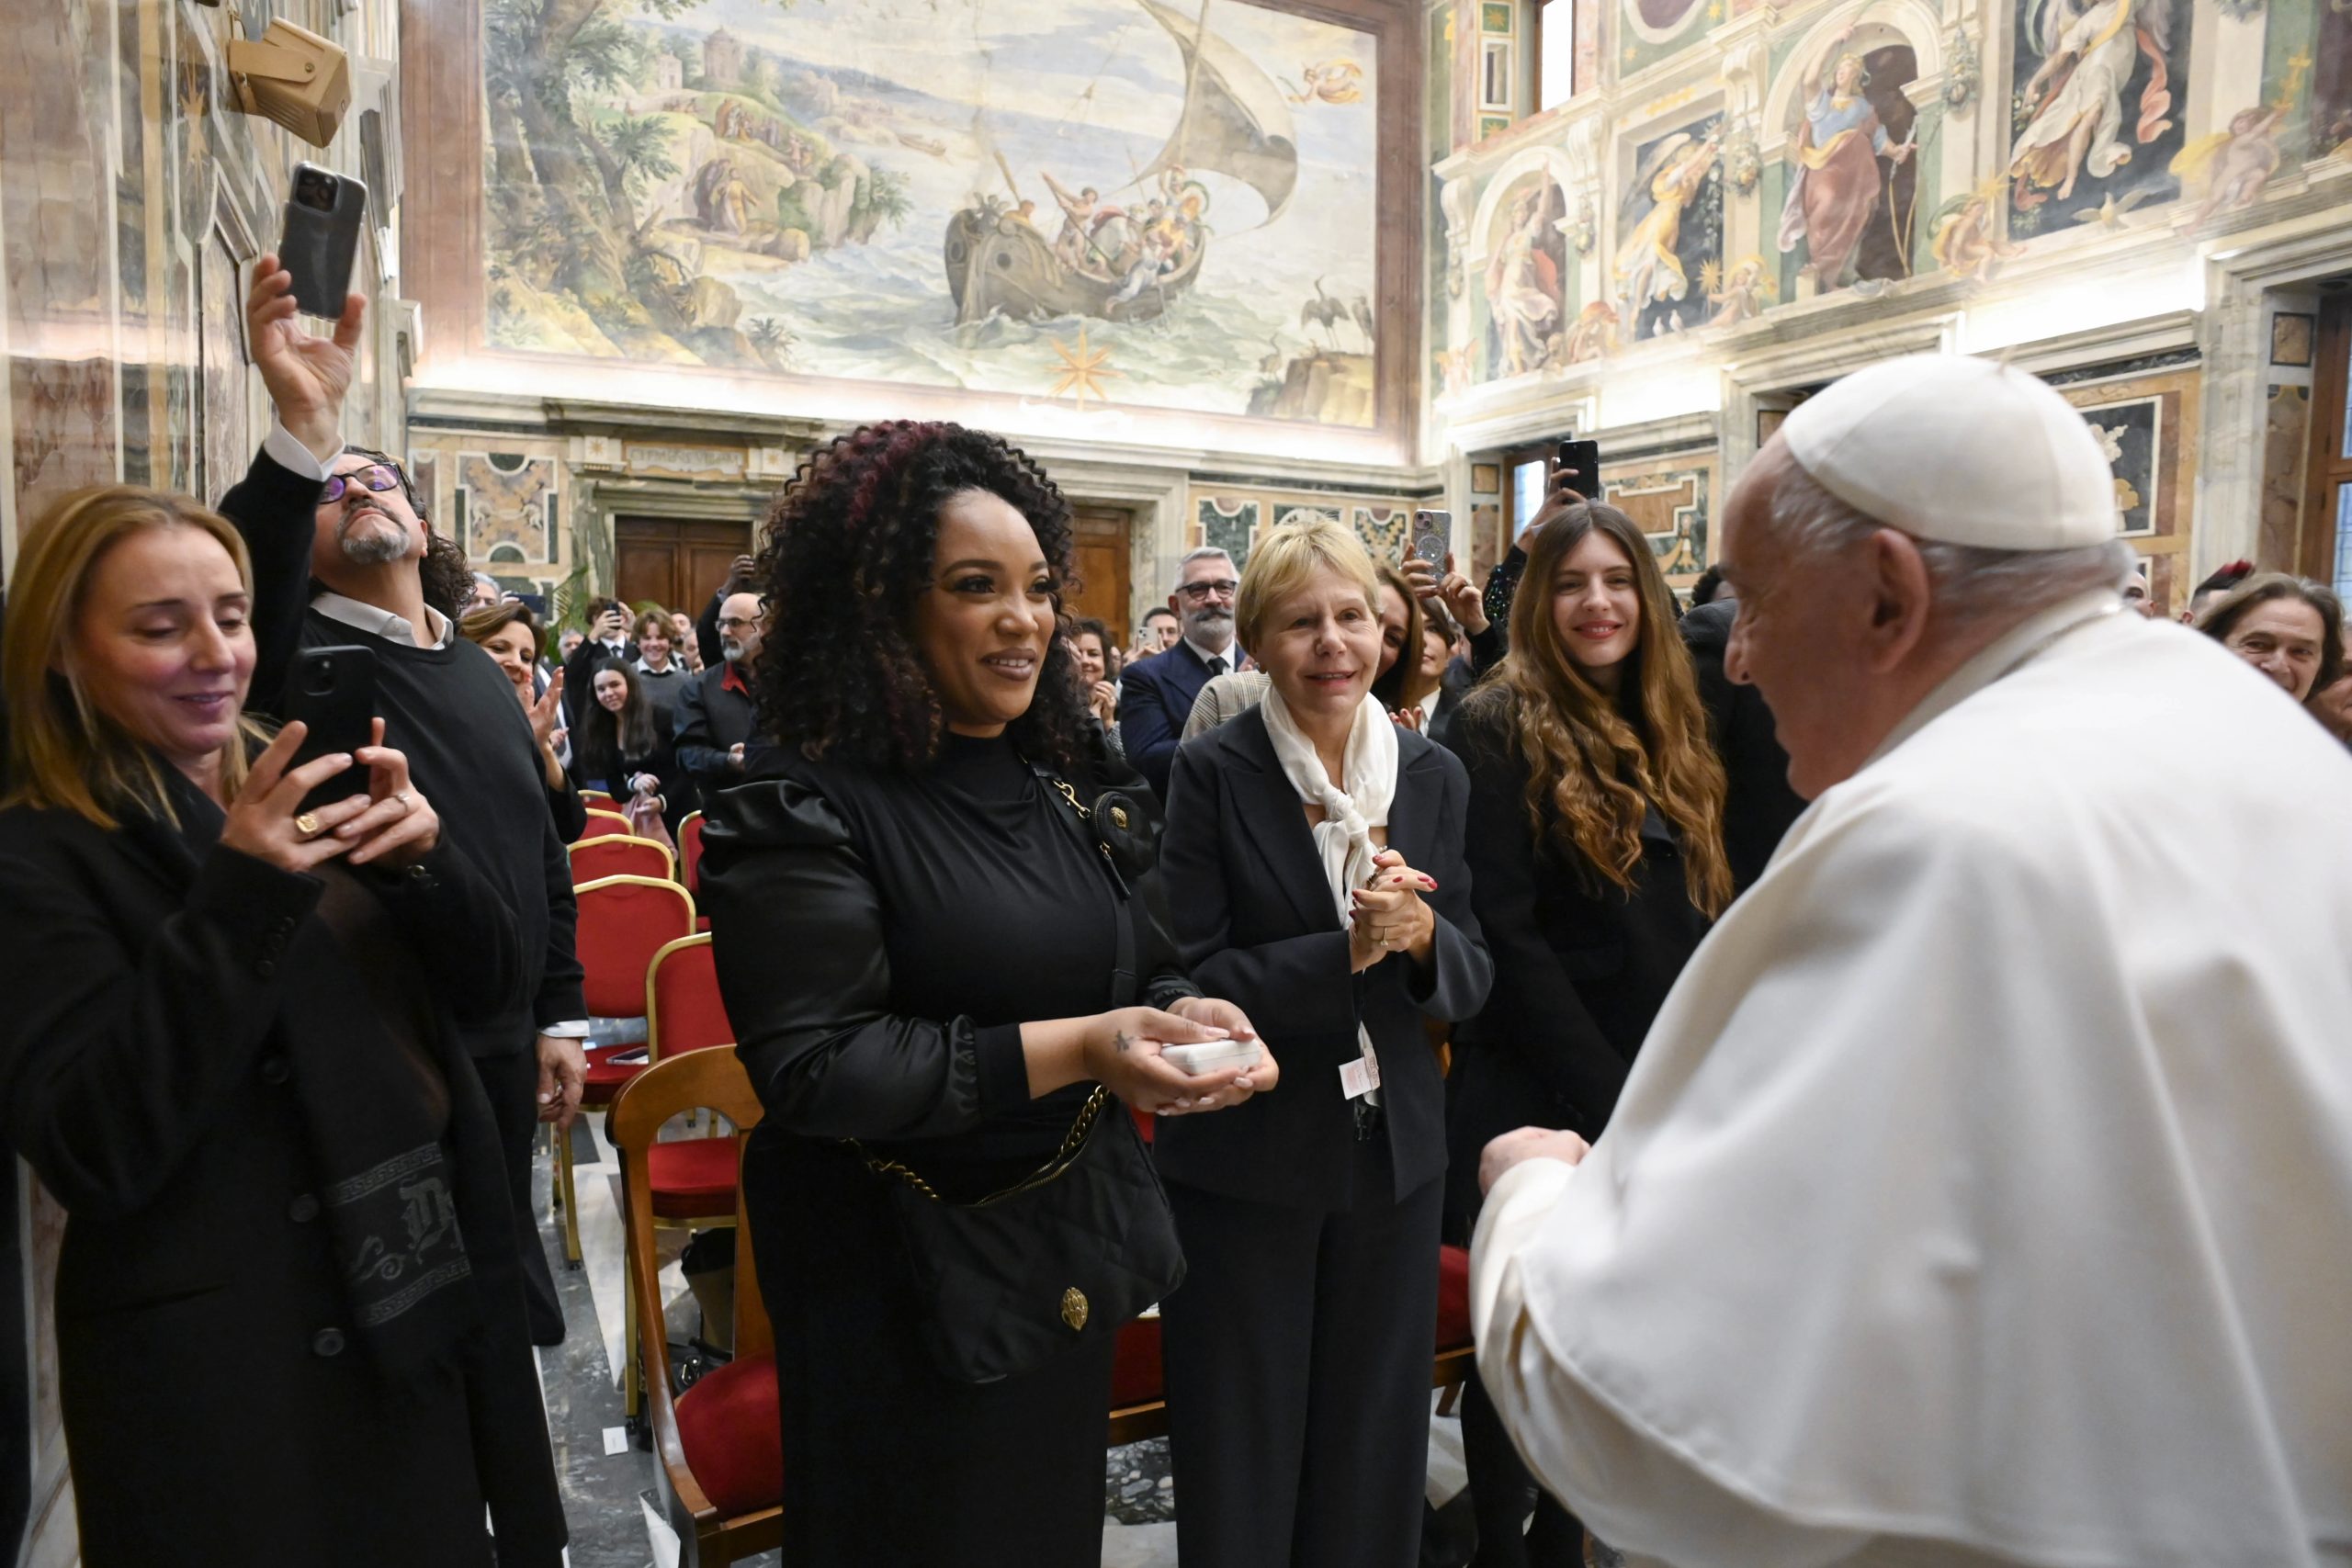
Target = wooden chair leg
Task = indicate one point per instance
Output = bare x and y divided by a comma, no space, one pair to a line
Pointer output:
570,1198
629,1360
1447,1400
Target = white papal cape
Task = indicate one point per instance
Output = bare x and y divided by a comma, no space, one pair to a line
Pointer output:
1983,1191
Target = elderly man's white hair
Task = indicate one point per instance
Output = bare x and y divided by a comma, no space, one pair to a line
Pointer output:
1969,582
1207,552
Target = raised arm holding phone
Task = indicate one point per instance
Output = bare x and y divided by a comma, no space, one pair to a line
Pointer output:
311,511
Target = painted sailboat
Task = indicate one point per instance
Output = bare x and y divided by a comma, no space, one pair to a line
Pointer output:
1235,123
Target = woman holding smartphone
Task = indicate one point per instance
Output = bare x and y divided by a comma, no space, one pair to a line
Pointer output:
1595,845
289,1308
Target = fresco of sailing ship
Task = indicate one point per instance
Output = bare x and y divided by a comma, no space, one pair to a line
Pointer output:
1130,255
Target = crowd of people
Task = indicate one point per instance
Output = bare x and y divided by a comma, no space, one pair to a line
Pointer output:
1881,1024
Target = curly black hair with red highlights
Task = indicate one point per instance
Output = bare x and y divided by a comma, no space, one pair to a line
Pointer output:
847,551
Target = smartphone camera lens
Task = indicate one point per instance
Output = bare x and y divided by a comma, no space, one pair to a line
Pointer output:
315,190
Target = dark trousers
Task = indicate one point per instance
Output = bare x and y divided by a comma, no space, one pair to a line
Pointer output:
1502,1491
1297,1356
511,1082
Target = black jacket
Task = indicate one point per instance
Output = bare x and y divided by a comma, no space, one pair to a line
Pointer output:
1580,968
468,743
1256,921
156,993
715,714
1156,696
1760,806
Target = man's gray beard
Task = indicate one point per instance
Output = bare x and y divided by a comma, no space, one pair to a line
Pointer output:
375,547
733,651
1217,623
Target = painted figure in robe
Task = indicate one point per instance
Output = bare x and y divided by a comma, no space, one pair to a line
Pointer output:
1837,184
2077,97
1647,270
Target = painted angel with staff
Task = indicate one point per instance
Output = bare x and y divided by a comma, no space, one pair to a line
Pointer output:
1837,182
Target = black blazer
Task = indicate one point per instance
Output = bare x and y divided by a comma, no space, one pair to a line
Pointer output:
1759,805
154,991
1580,969
1156,696
1256,922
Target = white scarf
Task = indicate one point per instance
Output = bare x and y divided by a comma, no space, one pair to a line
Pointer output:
1343,839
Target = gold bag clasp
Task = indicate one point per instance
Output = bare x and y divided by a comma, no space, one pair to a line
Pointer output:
1074,1308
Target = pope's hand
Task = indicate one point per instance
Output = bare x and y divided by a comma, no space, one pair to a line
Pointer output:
1526,1143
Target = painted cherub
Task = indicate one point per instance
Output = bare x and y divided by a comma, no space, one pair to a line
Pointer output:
1741,294
1595,334
1966,242
2231,166
1333,82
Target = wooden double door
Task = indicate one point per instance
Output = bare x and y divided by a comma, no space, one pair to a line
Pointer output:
1105,570
676,563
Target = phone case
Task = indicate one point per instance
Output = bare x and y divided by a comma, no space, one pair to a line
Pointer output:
319,247
1431,532
1579,467
334,691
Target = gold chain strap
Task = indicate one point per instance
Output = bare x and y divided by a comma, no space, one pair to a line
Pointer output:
1035,1178
1078,1129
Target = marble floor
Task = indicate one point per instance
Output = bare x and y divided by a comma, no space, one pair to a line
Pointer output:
608,1484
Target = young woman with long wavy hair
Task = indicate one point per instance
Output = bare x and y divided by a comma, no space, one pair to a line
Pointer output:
1595,847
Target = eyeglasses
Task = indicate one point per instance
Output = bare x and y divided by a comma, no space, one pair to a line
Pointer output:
1200,592
377,477
737,622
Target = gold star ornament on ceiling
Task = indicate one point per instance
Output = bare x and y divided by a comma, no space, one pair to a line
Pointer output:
1083,370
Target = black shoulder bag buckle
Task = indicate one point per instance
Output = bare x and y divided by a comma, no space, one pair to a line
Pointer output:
1066,1255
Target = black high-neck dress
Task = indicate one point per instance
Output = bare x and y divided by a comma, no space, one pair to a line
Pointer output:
880,940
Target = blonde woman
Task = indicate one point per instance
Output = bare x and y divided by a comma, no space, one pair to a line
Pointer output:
1313,860
288,1299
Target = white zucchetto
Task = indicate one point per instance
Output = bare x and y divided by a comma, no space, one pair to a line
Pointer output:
1959,450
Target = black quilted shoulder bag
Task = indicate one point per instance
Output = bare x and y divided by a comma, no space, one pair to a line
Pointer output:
1071,1252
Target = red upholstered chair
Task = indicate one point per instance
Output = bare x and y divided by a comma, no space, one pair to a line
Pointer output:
720,1443
694,1179
690,851
624,921
618,854
1138,1398
1455,1352
598,798
603,824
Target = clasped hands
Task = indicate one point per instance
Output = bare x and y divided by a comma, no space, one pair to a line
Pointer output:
1387,916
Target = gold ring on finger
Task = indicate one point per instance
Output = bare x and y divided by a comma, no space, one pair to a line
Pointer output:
307,825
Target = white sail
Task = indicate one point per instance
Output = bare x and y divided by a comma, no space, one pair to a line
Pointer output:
1235,120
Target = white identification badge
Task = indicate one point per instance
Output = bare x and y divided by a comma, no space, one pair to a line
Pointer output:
1360,1077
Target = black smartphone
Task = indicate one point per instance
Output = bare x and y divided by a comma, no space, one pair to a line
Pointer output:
334,691
1432,536
321,237
1580,469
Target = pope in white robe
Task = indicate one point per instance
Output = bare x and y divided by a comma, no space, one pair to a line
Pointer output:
1983,1193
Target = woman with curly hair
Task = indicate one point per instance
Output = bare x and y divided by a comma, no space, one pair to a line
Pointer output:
1597,863
917,945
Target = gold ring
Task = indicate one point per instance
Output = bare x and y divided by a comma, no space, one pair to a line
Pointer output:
307,825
